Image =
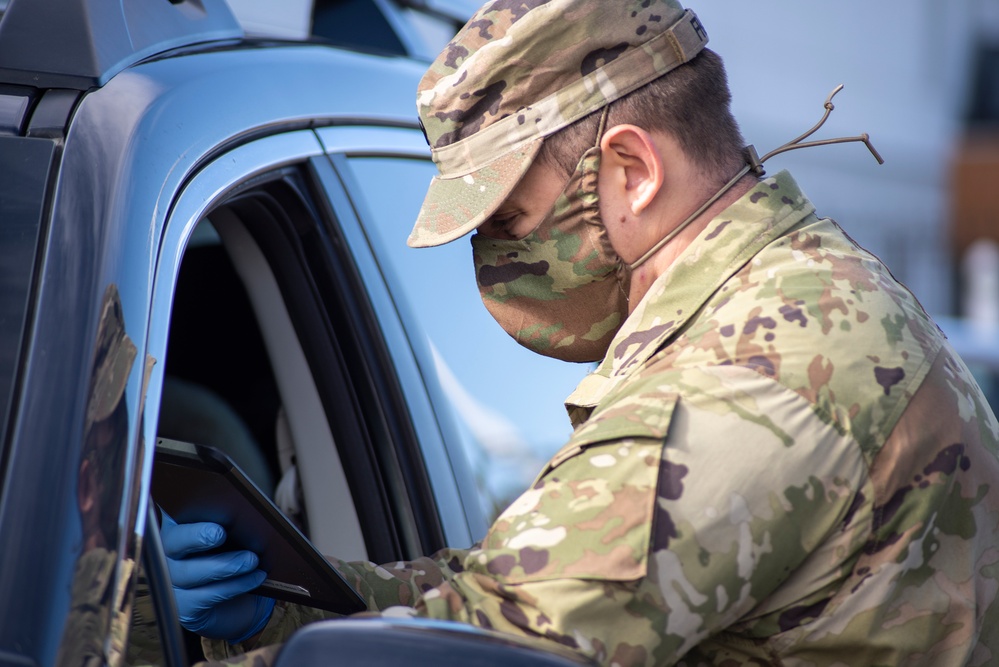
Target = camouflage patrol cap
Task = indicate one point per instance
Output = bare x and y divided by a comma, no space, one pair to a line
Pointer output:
519,71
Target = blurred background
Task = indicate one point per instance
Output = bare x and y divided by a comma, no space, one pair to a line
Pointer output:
921,77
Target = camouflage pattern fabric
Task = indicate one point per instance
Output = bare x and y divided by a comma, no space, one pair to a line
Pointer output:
571,295
83,635
781,461
507,80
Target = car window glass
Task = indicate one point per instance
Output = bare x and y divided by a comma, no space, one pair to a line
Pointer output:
509,398
25,166
356,23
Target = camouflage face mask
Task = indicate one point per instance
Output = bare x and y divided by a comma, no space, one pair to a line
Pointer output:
560,291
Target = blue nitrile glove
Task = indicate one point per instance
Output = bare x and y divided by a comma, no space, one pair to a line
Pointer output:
211,591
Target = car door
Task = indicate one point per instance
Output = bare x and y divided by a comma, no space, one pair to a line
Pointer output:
269,306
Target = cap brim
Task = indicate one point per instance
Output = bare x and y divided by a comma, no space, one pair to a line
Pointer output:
454,207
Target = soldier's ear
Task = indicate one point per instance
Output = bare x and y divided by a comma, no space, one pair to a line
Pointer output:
634,167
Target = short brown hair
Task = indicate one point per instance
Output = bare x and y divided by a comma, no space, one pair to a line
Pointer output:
691,103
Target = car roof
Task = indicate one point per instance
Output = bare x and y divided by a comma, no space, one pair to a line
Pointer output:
92,40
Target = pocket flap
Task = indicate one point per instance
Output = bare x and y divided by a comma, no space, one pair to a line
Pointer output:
640,414
589,515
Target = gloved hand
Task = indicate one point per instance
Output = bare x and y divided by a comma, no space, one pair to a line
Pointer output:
211,590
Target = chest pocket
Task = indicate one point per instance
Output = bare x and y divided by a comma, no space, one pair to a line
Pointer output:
589,514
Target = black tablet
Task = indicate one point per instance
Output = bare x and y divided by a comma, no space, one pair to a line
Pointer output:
195,483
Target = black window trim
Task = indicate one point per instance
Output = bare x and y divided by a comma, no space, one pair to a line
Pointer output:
341,337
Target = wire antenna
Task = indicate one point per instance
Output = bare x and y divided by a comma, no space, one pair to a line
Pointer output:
756,162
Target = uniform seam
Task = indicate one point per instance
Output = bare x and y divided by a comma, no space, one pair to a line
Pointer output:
916,381
879,509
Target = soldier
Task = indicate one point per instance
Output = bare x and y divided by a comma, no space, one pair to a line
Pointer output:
778,460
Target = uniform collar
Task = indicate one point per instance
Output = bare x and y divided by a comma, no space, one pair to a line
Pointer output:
730,240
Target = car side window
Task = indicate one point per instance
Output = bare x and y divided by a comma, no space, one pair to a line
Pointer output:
247,371
238,374
509,399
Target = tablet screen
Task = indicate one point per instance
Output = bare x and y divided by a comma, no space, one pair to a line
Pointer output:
195,483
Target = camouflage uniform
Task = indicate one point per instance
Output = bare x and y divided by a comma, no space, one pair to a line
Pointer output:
85,631
780,461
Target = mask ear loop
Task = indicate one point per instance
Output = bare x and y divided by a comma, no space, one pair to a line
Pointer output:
602,126
693,216
756,162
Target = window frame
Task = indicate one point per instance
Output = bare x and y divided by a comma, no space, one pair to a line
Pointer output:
452,481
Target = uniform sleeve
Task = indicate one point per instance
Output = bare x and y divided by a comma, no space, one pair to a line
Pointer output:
381,586
638,547
762,510
401,583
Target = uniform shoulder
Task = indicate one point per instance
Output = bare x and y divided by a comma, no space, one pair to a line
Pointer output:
824,318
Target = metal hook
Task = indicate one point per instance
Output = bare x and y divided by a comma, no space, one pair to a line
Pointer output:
756,162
